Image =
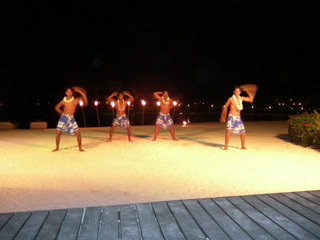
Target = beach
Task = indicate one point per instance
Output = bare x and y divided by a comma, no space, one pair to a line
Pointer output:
32,177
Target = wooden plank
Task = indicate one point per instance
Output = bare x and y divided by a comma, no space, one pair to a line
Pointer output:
271,211
4,218
272,228
208,225
229,226
310,197
109,226
291,214
167,222
187,224
128,222
14,225
246,223
150,228
71,224
90,226
304,201
52,224
283,216
297,207
32,226
316,193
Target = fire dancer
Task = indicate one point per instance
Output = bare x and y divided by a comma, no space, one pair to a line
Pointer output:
234,122
121,120
164,119
67,122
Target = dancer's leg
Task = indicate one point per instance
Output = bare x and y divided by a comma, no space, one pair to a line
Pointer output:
111,132
129,133
173,133
227,137
242,138
79,140
58,135
156,132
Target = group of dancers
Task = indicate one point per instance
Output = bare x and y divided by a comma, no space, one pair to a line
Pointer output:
231,113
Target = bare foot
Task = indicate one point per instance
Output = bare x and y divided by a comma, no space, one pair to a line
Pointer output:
109,140
130,140
243,148
81,150
175,139
154,139
55,150
225,148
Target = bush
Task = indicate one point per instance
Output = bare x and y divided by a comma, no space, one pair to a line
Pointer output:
304,129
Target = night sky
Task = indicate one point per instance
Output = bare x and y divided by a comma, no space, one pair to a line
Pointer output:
197,50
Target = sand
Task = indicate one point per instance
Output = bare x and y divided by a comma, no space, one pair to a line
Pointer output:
32,177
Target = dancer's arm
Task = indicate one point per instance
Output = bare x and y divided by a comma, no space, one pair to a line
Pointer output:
157,95
251,90
126,93
58,107
82,93
224,112
110,98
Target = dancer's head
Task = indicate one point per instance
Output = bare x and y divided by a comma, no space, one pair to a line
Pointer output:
237,91
69,92
165,94
120,96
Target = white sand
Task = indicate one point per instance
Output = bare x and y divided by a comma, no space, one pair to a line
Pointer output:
34,178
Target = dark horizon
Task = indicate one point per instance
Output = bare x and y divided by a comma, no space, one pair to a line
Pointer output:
197,50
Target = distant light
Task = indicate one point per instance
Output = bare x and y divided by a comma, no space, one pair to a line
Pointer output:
212,105
174,103
112,104
143,102
188,105
128,102
158,103
96,103
184,123
252,106
81,103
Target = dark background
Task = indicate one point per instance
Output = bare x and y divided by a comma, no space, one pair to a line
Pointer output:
197,50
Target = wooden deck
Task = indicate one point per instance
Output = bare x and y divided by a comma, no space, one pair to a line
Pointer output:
293,215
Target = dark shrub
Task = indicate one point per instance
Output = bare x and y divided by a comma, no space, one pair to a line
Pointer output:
304,129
